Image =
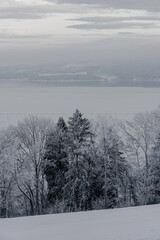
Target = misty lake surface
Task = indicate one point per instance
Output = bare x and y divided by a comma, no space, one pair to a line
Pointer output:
19,102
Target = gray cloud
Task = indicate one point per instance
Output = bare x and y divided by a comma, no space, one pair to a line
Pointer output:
101,22
150,5
30,11
25,12
113,25
28,36
127,33
102,19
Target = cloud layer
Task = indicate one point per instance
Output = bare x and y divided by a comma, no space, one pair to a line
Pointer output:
99,22
43,26
150,5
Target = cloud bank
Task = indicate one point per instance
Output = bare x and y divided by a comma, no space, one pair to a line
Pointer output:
150,5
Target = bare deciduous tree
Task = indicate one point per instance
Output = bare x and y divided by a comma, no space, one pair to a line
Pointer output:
31,134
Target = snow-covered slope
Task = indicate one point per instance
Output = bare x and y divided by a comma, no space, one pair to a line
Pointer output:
137,223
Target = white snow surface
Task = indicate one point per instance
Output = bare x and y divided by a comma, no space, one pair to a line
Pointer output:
134,223
53,102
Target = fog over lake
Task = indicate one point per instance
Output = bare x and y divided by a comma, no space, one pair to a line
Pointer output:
53,102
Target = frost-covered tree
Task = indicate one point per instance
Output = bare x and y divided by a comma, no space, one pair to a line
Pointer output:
114,167
138,138
118,165
55,163
154,194
31,135
79,140
8,190
139,135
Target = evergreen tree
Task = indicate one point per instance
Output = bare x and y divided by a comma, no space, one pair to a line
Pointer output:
79,141
114,168
55,161
94,182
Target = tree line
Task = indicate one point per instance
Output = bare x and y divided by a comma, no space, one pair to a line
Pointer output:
79,165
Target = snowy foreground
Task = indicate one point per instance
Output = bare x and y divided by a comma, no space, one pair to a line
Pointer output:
137,223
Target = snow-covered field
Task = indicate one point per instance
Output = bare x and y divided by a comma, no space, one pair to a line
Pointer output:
137,223
18,102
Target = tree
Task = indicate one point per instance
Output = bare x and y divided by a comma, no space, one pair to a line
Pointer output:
55,163
114,168
8,191
31,135
139,136
154,195
79,139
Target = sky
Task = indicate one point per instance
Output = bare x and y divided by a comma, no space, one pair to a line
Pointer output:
79,32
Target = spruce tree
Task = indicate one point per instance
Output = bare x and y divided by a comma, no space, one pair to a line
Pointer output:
55,161
114,168
79,141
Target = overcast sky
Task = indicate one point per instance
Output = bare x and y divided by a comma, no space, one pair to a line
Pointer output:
78,31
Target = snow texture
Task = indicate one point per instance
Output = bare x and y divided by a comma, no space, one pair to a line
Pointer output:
135,223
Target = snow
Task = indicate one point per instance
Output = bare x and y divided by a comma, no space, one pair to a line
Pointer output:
134,223
18,102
